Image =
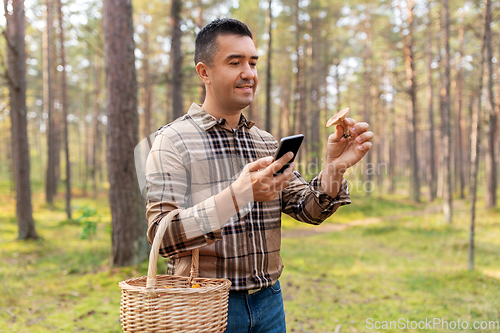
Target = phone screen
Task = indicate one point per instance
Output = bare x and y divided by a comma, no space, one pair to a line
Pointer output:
289,143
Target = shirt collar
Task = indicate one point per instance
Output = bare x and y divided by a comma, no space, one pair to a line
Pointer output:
206,121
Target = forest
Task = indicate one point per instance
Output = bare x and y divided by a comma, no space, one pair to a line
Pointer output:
83,82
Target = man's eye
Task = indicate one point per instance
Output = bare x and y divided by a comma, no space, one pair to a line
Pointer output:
234,63
253,64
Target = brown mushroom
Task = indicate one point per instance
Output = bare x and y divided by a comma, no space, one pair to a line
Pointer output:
339,119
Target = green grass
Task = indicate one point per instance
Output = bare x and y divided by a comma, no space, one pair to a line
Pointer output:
411,267
363,207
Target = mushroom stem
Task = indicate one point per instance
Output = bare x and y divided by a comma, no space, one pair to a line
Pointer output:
347,133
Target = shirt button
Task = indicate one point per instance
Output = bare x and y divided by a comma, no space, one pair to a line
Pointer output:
250,235
241,166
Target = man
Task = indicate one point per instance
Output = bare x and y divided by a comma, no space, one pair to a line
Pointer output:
217,167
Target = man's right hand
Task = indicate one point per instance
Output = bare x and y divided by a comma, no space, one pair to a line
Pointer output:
258,179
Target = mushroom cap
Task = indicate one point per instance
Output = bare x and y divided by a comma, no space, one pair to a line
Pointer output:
336,119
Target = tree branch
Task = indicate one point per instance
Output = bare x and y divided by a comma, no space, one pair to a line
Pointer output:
4,66
9,44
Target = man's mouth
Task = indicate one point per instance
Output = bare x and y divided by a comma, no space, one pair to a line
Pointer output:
245,85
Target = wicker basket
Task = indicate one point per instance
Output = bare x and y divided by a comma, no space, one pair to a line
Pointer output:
166,303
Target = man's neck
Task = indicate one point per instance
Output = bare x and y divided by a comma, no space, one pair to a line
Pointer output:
232,117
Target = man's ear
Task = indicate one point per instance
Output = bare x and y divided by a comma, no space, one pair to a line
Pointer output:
203,72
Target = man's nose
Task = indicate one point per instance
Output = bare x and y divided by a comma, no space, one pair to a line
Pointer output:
248,72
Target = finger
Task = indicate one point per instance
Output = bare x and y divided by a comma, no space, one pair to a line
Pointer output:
349,122
359,128
286,175
278,164
285,178
260,164
365,147
364,137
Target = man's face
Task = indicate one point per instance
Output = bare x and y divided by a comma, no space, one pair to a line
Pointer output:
233,76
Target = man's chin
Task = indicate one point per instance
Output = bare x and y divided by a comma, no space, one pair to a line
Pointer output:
245,103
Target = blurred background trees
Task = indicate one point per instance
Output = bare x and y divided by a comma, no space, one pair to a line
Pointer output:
410,68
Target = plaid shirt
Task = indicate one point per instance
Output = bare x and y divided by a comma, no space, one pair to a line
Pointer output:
194,158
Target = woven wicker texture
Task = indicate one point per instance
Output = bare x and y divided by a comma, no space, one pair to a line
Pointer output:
168,304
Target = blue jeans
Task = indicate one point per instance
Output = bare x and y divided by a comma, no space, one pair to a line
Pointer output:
261,312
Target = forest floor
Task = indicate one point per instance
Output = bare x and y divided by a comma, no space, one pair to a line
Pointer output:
383,257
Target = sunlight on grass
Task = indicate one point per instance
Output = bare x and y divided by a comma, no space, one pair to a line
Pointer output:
362,207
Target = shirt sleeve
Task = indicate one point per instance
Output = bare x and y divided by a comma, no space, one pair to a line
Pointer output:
306,202
167,188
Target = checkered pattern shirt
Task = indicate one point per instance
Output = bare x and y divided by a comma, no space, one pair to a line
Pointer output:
194,158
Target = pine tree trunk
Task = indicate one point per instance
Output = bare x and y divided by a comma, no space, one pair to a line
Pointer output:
315,109
367,111
48,104
200,22
176,61
147,87
64,103
411,86
86,130
447,207
491,123
285,122
94,147
269,120
476,136
250,112
298,80
392,149
460,113
336,62
129,244
16,75
431,167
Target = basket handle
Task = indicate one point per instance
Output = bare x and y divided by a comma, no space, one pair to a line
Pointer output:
155,250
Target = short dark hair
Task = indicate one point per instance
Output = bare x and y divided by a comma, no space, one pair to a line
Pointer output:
206,40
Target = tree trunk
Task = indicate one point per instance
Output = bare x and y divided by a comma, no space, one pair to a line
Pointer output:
459,111
269,116
147,87
392,148
336,62
285,122
200,22
250,112
64,103
411,86
129,244
367,111
476,135
431,167
94,147
447,207
475,145
16,75
315,95
298,80
86,129
176,61
48,103
491,117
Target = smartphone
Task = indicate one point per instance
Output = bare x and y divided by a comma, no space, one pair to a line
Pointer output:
289,143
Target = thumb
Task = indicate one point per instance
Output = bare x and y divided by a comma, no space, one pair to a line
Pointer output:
260,163
338,135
